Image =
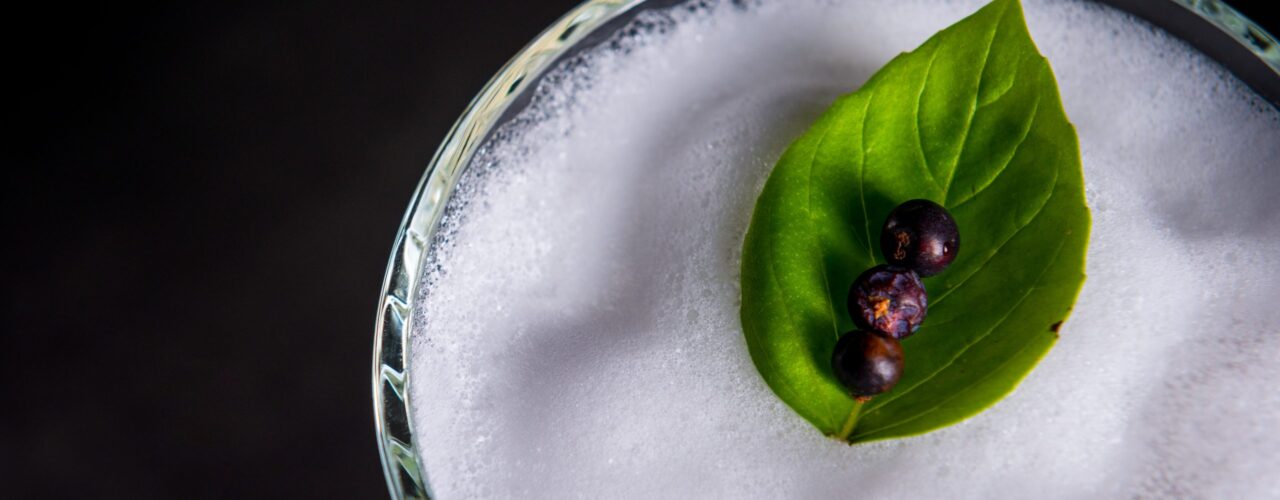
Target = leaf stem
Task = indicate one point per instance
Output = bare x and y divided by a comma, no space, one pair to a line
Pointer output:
851,421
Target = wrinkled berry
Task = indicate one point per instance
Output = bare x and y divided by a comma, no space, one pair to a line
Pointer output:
888,299
867,362
920,235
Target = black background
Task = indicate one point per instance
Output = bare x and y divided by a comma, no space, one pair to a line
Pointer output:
197,221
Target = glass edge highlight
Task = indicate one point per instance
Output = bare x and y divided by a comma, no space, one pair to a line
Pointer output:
397,446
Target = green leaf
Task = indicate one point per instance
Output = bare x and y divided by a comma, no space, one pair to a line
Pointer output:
972,120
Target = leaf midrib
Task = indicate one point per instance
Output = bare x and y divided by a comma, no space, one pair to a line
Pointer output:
973,108
946,194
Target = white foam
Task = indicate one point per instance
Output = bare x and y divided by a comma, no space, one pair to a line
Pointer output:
580,338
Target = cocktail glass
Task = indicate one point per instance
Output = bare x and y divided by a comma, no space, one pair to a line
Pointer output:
1211,26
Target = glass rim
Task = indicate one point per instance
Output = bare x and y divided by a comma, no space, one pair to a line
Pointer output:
400,463
505,94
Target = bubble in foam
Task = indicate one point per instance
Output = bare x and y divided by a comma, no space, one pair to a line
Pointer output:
577,333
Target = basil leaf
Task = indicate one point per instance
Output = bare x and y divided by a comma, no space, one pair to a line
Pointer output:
972,120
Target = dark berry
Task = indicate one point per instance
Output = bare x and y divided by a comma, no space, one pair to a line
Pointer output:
867,362
889,299
920,235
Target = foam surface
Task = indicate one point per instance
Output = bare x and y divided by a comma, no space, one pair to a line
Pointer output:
579,337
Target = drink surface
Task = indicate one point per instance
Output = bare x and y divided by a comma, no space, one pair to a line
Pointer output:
579,334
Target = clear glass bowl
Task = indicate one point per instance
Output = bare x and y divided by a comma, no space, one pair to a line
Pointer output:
1220,32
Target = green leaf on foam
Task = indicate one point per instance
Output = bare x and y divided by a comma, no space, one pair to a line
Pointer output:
972,120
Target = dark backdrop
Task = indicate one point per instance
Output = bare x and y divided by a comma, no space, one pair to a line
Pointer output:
206,198
197,223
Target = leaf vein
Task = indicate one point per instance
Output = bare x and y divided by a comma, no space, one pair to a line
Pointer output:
1026,133
1032,220
786,309
862,173
949,398
1049,265
826,282
924,157
973,108
935,303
